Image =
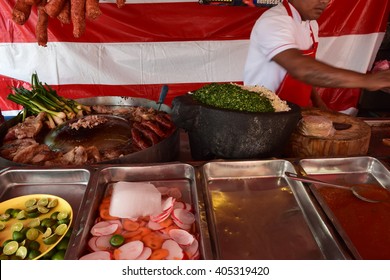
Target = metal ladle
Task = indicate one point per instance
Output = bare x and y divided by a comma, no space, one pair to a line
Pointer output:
365,193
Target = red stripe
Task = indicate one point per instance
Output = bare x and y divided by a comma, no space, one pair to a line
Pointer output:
345,17
75,91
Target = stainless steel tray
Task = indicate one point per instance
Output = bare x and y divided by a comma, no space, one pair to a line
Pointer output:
362,225
255,212
71,184
177,175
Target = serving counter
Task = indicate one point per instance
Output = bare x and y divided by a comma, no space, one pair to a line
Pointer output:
243,209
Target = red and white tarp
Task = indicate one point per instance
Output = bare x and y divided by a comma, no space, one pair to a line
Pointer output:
132,51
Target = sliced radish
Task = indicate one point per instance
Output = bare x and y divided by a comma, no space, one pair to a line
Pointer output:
182,226
192,250
182,237
161,217
103,242
196,256
92,244
117,222
183,216
154,226
174,249
129,251
145,254
103,228
168,203
100,255
188,207
179,205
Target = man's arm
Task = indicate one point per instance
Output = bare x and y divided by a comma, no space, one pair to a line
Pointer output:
316,73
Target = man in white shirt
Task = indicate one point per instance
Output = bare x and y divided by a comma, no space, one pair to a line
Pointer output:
282,53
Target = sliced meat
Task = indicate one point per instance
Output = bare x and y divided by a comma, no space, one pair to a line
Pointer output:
10,148
76,156
153,126
26,154
43,154
93,154
28,129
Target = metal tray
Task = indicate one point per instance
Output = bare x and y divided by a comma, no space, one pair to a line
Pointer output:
71,184
177,175
255,212
362,225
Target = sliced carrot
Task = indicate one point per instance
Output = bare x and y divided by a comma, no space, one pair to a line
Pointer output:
130,225
159,254
145,231
153,241
134,238
116,254
130,234
167,229
105,215
106,199
166,223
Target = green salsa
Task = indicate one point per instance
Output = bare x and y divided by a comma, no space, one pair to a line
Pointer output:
233,97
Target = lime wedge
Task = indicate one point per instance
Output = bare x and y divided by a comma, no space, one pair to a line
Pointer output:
62,215
34,223
47,233
61,229
21,215
31,209
10,248
43,201
51,239
5,217
53,203
30,202
32,234
43,209
21,252
18,226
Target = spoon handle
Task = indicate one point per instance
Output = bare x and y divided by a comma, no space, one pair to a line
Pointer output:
163,94
307,179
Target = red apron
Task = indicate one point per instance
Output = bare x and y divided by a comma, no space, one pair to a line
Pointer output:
291,89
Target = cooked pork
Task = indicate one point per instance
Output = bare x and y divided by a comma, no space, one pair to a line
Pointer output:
10,148
88,122
28,129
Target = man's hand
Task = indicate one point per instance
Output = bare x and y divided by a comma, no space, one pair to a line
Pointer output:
317,100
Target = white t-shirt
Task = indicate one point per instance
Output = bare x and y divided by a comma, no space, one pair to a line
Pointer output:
275,31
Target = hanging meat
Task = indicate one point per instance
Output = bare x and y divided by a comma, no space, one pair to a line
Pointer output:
66,11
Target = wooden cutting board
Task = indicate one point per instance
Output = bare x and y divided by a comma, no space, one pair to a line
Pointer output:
353,141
